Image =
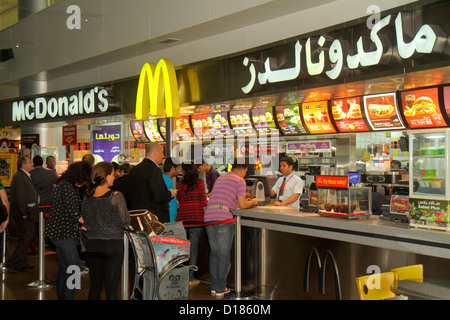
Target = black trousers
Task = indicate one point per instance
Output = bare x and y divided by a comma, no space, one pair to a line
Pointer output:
25,234
104,259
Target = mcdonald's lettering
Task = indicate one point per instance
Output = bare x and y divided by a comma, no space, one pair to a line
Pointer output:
157,91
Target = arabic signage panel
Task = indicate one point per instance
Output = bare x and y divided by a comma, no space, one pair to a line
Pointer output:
347,115
106,141
289,120
317,118
382,112
311,146
152,131
421,108
137,129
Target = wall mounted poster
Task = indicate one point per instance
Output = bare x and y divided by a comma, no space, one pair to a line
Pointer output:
347,115
421,108
106,141
382,112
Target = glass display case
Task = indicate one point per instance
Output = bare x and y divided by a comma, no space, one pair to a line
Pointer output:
429,205
335,198
429,161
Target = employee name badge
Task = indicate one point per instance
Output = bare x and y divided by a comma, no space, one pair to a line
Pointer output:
280,198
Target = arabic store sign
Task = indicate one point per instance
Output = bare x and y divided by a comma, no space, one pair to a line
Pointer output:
332,57
91,101
106,141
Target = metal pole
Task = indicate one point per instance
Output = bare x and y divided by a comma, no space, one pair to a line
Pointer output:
2,266
125,271
41,282
238,294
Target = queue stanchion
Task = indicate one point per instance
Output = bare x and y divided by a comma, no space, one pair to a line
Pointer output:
41,282
125,269
2,265
237,294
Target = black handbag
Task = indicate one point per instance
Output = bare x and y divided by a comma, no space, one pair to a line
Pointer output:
82,244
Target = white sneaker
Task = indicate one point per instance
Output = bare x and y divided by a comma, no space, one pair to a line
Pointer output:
220,294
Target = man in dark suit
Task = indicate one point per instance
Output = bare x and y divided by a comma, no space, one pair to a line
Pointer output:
147,189
24,212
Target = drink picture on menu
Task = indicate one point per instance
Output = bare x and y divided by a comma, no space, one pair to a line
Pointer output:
421,108
381,111
347,115
317,118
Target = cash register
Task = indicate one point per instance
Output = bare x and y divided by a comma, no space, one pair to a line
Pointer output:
258,187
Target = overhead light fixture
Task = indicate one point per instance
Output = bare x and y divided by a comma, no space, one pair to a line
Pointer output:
169,40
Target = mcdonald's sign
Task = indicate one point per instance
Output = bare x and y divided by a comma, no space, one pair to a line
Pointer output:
157,91
321,271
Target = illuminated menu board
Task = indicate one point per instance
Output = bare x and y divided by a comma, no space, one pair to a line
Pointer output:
316,117
183,130
137,129
382,112
289,121
347,115
162,127
421,108
152,131
263,121
211,125
447,99
240,122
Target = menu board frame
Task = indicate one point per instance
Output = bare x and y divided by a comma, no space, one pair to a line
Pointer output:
142,138
158,136
330,121
281,122
375,123
351,124
183,133
162,131
215,127
239,128
437,95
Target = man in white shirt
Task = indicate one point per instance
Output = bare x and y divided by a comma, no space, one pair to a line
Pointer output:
288,188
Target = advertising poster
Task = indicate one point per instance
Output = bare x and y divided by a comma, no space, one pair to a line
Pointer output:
289,120
151,130
107,141
69,135
264,121
421,108
399,204
347,115
316,117
382,112
137,129
311,146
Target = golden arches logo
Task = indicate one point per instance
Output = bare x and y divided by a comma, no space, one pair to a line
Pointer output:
157,91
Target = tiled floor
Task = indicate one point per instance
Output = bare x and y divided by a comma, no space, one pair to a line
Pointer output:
14,286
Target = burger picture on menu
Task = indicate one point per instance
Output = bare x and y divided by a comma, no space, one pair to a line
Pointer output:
354,111
337,112
381,111
422,105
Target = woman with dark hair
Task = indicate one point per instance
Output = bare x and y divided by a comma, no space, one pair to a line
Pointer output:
62,224
105,216
191,198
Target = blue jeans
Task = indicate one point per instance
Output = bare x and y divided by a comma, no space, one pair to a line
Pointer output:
67,255
220,238
193,234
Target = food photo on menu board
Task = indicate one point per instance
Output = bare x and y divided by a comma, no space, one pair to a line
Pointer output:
421,108
316,117
151,130
289,121
347,115
200,125
381,112
264,121
240,121
137,128
162,127
183,128
447,99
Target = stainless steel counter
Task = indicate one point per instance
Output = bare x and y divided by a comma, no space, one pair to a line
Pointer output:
371,231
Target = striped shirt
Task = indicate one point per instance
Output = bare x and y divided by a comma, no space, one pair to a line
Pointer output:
226,191
191,203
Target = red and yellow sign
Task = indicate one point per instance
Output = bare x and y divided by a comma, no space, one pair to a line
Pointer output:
316,117
157,91
332,181
69,135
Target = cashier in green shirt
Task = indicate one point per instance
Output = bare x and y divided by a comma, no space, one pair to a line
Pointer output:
288,188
